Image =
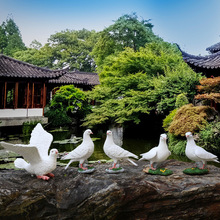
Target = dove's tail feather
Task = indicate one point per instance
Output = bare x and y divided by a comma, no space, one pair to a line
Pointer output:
20,163
65,157
216,160
134,156
68,164
141,159
131,161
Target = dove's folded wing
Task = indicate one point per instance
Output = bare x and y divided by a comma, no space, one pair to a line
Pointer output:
203,154
114,150
79,152
118,152
30,153
150,154
41,139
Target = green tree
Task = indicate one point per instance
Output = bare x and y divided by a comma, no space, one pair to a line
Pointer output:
35,44
64,49
140,82
73,48
43,57
10,38
3,39
67,104
127,31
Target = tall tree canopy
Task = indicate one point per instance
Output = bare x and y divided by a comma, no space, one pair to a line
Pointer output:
67,48
127,31
10,38
139,82
73,48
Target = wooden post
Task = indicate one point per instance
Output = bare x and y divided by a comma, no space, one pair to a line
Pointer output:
32,98
16,95
44,96
28,91
5,95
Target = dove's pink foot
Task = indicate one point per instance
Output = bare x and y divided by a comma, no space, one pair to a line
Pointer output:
152,168
43,177
114,166
203,167
50,174
84,168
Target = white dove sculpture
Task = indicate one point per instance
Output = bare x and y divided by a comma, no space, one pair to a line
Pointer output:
82,152
116,152
196,153
36,153
157,154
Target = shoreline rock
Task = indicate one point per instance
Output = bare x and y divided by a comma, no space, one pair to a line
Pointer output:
129,195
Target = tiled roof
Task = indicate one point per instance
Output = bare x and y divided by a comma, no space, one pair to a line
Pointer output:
10,67
214,48
211,61
77,77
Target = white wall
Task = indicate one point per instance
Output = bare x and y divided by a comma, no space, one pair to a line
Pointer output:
17,113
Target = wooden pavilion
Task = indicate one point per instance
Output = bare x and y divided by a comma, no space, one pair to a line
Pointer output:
25,89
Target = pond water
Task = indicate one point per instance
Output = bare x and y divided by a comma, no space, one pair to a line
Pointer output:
134,145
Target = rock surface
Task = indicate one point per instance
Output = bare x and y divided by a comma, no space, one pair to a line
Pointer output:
129,195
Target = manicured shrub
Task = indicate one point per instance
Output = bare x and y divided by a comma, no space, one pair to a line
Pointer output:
189,118
167,121
181,100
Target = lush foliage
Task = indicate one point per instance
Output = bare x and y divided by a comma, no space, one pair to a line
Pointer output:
209,89
64,49
192,118
127,31
139,82
43,57
209,137
181,100
67,103
176,144
189,118
168,120
10,38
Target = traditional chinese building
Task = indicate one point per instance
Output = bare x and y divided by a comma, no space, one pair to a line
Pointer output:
209,64
25,89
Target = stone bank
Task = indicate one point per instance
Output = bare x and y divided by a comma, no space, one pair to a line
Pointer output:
129,195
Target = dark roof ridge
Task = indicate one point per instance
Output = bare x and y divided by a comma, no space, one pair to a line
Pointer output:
214,47
202,63
198,56
31,65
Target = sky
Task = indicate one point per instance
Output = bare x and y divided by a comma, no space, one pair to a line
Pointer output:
193,24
